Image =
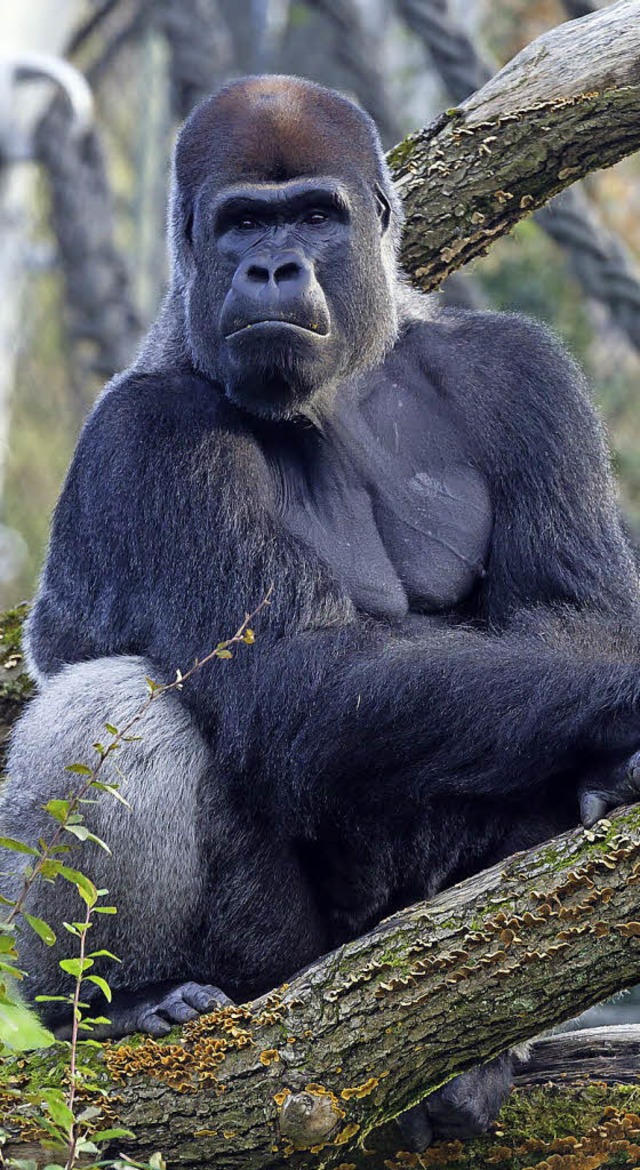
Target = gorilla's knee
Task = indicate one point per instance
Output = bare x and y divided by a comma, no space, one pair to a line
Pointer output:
154,871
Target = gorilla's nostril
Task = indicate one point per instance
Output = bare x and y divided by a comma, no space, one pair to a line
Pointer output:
258,274
287,272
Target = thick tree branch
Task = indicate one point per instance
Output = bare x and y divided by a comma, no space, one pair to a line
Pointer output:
303,1076
568,104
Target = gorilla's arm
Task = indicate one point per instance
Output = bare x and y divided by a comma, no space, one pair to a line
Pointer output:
164,535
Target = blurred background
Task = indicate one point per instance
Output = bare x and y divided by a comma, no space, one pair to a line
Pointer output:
91,95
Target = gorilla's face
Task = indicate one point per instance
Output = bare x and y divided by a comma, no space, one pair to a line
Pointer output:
288,285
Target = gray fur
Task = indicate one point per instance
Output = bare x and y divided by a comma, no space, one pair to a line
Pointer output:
155,873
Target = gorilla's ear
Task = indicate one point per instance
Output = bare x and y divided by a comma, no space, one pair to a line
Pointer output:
384,208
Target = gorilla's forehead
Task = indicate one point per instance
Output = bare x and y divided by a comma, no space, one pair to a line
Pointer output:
271,129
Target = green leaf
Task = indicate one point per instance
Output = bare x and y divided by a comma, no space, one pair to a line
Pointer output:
7,944
9,969
106,954
52,999
17,846
79,769
112,789
20,1029
57,1108
111,729
106,1135
84,834
42,928
75,967
58,809
221,654
102,984
6,901
105,909
83,884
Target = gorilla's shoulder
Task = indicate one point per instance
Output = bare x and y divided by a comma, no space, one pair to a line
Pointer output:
158,400
506,359
147,423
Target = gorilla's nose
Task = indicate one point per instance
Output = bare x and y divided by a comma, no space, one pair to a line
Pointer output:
273,279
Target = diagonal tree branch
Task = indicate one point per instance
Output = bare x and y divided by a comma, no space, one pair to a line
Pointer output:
303,1076
568,104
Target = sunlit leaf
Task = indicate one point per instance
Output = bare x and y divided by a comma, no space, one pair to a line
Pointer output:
84,834
18,846
42,928
79,769
58,809
75,967
57,1108
83,884
102,984
112,789
106,1135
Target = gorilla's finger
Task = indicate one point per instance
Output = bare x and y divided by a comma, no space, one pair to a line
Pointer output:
593,806
151,1023
204,997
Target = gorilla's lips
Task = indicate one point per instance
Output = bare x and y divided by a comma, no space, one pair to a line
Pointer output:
270,325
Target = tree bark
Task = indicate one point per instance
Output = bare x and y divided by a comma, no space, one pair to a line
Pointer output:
567,104
309,1074
305,1075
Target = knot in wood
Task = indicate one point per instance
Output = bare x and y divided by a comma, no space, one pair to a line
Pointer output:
307,1119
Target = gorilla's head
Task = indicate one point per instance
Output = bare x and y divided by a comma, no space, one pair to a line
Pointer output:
285,230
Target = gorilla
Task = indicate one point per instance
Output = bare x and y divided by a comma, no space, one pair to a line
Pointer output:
448,670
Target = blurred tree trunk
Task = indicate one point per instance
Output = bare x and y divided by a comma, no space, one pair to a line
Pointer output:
24,28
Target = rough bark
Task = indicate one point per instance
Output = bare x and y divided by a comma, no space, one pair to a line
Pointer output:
304,1076
568,104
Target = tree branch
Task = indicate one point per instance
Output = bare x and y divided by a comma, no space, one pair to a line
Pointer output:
303,1076
567,104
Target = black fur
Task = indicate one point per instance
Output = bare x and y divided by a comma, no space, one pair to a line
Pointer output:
449,658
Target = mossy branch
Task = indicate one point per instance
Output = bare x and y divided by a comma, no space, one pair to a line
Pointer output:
304,1076
567,104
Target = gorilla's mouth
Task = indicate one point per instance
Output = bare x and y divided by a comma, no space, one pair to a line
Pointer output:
273,324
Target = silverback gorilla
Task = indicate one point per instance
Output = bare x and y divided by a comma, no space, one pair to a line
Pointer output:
448,670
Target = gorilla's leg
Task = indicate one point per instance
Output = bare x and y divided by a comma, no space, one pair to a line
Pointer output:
200,897
463,1108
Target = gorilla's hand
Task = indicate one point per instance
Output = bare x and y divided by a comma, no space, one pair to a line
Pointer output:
154,1009
603,791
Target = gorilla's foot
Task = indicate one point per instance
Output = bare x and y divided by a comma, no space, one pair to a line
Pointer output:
154,1009
462,1109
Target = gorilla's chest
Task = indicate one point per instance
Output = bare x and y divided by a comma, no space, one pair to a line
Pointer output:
390,502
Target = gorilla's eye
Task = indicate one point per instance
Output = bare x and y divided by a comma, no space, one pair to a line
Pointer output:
247,224
315,218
